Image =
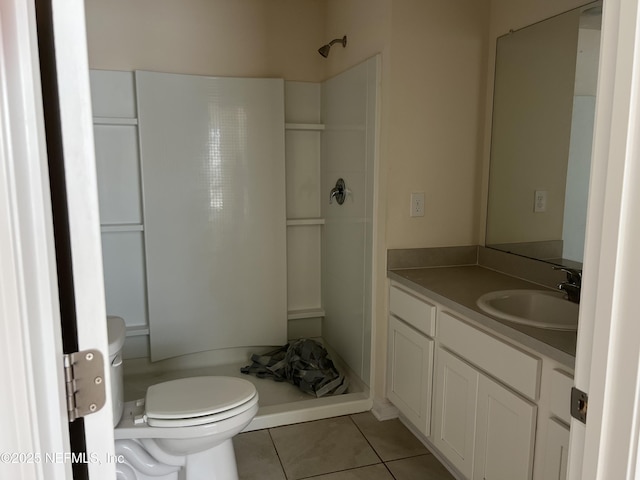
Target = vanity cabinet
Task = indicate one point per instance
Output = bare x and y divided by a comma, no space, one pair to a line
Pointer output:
483,390
485,429
411,348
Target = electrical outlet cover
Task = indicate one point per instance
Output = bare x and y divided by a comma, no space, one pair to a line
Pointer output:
417,204
540,201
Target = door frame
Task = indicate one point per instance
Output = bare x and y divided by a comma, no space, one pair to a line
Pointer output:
34,397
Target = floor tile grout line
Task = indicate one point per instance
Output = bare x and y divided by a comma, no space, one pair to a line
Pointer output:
389,470
273,443
376,452
366,439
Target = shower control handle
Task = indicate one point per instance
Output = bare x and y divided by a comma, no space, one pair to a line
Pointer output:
339,192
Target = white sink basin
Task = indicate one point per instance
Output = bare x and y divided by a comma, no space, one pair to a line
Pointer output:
536,308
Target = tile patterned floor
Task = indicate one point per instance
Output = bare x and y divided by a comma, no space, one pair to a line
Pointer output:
355,447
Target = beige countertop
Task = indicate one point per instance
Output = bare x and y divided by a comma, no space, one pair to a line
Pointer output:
459,287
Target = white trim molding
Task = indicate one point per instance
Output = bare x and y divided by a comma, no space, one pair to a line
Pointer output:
33,399
383,409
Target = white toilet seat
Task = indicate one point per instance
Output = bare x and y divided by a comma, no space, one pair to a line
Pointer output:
187,402
197,400
203,420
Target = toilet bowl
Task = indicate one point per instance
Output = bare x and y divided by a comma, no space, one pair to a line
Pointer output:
183,428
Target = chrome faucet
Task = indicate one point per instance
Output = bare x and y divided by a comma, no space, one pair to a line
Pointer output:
573,283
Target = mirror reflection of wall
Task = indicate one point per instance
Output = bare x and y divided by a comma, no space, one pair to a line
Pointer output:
584,106
544,101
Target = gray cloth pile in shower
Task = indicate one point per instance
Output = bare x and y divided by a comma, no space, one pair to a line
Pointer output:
304,363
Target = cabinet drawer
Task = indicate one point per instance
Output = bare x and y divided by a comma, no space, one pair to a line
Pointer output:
416,312
507,364
561,383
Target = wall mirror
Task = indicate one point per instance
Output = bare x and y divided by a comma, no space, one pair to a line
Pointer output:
543,111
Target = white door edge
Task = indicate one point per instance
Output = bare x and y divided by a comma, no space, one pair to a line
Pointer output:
68,18
607,361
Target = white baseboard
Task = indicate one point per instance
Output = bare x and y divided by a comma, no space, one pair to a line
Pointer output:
383,409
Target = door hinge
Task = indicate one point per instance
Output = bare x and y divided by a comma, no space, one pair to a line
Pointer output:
84,381
579,404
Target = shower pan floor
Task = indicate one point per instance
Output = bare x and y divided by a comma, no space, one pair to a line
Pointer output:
281,403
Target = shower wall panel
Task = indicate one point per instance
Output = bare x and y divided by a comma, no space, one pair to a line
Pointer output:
212,153
348,152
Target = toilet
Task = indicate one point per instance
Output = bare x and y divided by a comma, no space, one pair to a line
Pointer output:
183,428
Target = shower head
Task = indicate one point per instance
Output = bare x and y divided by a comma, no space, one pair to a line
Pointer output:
324,50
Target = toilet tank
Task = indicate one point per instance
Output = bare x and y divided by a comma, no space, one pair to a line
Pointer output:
116,332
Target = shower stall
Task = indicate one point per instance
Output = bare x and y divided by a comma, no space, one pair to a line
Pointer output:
220,236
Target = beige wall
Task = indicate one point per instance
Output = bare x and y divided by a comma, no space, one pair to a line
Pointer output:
252,38
433,74
367,25
438,68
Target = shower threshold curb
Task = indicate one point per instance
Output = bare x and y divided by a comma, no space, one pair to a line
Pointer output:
309,410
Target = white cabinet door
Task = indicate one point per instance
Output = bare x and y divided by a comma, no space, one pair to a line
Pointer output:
557,449
505,430
454,415
411,373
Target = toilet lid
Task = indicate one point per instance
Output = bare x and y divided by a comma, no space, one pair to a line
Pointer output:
196,397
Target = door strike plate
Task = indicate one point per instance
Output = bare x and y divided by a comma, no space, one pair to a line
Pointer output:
579,404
